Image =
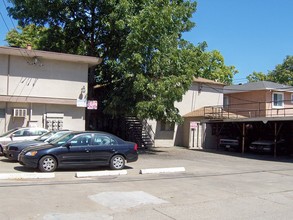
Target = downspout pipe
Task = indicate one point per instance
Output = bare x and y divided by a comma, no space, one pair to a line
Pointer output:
7,93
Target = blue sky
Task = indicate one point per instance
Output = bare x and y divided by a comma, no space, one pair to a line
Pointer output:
6,23
252,35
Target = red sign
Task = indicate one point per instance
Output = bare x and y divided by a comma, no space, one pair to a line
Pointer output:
193,125
92,104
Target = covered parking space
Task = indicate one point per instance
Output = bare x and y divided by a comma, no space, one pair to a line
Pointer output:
247,130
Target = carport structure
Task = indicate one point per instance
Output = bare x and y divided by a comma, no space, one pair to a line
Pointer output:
265,108
251,129
251,111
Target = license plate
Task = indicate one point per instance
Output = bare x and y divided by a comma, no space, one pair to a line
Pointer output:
227,146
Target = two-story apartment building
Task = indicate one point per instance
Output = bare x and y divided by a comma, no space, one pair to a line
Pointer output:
203,92
253,111
44,89
259,99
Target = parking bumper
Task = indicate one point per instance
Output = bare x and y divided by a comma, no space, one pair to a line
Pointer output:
19,176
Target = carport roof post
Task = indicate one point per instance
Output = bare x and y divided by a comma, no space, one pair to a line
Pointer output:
91,61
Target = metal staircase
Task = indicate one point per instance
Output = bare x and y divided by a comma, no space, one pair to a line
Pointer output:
139,132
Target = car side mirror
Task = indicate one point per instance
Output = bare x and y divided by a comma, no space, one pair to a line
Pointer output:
68,144
11,136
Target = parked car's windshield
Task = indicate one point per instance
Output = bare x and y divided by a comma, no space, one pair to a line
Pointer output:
63,139
56,136
45,136
8,132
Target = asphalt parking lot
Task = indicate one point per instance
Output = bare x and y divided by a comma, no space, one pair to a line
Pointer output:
194,161
214,185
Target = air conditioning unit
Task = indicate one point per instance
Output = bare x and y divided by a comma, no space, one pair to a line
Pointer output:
19,112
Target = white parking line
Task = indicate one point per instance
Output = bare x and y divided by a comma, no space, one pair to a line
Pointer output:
4,176
162,170
100,173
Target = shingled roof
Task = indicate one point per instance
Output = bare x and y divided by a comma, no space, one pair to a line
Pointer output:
256,86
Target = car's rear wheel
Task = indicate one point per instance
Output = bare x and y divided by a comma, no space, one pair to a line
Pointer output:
47,164
117,162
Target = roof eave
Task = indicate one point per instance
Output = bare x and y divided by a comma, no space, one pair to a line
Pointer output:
91,61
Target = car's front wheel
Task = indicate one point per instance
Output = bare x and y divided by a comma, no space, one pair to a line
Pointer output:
47,164
117,162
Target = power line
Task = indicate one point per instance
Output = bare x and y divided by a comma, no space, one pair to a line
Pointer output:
238,79
16,29
26,57
4,21
220,91
237,98
23,53
8,15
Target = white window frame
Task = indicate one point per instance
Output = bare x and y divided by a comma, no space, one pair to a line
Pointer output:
226,101
274,101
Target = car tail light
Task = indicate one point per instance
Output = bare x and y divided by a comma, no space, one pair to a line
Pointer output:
135,147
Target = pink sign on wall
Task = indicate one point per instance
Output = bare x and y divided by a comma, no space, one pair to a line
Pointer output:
92,104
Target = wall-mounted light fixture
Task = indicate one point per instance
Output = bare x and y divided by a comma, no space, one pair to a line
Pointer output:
82,93
199,87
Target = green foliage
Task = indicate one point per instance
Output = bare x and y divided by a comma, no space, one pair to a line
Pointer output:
30,34
147,66
154,62
257,76
283,73
213,67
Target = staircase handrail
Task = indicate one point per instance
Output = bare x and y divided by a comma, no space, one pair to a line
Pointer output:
148,128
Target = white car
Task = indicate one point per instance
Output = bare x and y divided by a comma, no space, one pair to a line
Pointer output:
230,143
20,134
267,146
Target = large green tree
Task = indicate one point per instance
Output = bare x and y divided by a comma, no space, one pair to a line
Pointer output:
147,66
283,73
212,66
257,76
30,34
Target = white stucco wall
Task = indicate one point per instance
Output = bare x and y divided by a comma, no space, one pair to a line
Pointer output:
3,74
49,78
195,99
198,96
74,117
2,119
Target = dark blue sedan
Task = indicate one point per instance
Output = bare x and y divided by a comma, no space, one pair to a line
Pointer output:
80,149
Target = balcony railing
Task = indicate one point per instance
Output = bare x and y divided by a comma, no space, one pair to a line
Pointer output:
249,110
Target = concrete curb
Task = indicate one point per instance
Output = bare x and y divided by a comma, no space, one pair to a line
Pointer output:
162,170
5,176
100,173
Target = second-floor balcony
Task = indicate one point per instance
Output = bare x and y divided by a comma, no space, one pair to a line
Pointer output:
250,110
